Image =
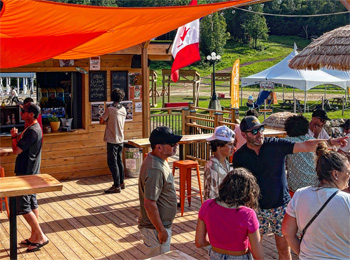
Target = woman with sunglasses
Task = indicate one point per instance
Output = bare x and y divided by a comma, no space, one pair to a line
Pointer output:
230,219
216,169
328,236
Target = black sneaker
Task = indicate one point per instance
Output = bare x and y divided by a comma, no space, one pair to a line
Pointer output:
113,190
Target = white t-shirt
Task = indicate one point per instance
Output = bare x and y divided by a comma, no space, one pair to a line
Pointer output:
346,148
323,134
115,118
328,237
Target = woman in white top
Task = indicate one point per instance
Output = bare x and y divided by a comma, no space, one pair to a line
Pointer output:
328,236
216,169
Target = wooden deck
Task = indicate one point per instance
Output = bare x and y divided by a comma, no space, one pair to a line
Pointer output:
82,222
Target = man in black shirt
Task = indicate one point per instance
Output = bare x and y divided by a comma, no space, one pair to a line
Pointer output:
27,146
265,158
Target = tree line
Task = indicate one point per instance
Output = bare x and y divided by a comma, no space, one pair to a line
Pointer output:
248,27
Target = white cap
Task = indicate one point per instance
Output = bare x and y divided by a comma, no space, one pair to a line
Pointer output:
222,133
251,97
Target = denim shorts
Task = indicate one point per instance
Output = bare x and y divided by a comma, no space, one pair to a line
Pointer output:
25,204
271,218
217,256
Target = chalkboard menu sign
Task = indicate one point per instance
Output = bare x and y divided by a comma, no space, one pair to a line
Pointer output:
98,86
119,79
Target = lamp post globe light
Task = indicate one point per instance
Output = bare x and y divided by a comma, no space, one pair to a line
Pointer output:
214,102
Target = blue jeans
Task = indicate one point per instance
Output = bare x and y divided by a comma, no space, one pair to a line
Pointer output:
115,163
217,256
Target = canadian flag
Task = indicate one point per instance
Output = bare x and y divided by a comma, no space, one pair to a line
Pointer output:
185,47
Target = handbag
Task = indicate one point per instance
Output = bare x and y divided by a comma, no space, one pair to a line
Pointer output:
316,215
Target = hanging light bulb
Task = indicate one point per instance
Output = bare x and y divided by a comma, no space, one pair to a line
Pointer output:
208,57
233,11
222,14
249,8
218,57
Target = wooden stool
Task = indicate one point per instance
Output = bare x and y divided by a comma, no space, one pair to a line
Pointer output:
2,174
185,168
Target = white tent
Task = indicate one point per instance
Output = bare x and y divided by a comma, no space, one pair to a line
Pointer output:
301,79
339,74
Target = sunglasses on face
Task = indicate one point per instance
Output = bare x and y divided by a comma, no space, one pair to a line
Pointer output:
321,119
256,131
171,144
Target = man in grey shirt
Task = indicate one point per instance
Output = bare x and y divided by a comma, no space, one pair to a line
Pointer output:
157,192
114,118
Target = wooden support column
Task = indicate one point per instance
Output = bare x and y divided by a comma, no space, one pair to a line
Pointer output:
145,90
217,118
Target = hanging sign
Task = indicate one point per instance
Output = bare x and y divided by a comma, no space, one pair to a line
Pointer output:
95,63
267,84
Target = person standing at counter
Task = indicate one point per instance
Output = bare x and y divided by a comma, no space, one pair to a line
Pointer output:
114,118
27,146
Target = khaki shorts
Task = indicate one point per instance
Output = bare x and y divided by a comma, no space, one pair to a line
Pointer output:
150,239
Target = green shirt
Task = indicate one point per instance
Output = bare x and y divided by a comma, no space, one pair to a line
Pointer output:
156,183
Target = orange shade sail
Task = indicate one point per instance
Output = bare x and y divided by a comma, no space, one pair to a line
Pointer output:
36,30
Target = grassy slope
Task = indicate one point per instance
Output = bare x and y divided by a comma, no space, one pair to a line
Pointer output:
275,49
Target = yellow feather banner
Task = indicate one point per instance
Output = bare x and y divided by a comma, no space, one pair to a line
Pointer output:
235,85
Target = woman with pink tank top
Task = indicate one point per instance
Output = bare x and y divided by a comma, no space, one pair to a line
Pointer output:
230,220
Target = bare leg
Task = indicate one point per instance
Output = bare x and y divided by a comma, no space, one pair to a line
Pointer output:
283,248
36,213
37,235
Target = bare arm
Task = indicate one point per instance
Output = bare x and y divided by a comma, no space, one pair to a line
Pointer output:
102,122
153,214
14,136
310,145
255,245
289,231
201,234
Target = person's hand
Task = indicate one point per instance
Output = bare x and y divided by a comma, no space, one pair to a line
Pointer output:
14,132
162,236
341,141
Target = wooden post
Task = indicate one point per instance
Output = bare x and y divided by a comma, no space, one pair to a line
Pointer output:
163,90
217,118
185,129
234,114
145,94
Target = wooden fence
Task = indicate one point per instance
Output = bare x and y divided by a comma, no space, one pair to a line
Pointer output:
194,120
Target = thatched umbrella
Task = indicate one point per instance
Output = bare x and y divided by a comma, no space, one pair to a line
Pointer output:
331,51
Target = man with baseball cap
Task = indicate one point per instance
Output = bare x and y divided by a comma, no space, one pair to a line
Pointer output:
316,126
27,146
265,158
157,194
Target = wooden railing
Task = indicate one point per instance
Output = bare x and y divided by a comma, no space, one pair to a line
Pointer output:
193,120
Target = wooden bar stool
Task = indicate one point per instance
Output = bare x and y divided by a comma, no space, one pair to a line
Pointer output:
2,174
185,168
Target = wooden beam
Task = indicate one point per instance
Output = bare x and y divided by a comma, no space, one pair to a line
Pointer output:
145,90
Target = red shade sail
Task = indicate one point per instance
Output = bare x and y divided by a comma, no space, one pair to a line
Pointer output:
36,30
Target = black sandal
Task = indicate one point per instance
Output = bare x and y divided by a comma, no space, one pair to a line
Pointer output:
26,242
37,246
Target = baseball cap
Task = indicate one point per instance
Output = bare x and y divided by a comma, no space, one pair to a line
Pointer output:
249,123
222,133
163,135
31,107
321,114
251,97
346,124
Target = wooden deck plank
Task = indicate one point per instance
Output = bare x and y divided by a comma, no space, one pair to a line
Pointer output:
82,222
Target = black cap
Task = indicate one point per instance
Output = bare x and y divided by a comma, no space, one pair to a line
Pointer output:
163,135
321,114
249,123
31,107
346,124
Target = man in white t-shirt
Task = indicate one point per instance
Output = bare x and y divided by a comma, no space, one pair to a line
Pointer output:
346,149
316,130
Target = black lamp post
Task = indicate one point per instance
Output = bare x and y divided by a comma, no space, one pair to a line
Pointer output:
214,102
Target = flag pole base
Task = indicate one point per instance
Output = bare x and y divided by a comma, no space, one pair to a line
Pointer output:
214,104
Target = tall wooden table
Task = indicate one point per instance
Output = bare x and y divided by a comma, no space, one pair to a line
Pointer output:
186,139
24,185
189,139
5,150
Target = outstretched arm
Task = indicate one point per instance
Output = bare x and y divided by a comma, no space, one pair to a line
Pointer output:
310,145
